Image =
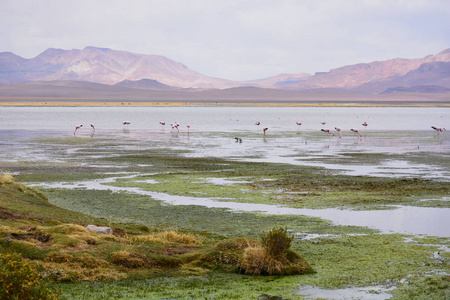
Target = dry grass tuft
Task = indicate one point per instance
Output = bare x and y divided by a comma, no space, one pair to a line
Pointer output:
170,236
269,256
68,229
127,259
6,179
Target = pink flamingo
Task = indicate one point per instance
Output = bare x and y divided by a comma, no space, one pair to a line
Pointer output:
323,123
356,131
264,130
438,129
327,131
126,122
365,124
258,123
175,125
162,123
338,129
93,128
76,129
298,123
188,126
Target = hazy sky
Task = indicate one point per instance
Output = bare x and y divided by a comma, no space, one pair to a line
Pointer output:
233,39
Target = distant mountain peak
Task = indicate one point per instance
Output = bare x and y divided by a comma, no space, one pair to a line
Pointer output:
107,66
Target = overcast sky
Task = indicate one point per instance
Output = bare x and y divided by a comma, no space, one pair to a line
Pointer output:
233,39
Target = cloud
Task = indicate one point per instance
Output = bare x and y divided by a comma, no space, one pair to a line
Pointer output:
230,38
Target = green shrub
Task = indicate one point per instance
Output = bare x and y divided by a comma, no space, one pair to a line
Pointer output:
276,242
19,280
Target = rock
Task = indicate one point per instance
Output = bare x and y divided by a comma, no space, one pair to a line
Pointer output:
100,229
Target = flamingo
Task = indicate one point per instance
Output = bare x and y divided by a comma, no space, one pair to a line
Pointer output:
327,131
264,130
175,125
365,124
76,129
188,126
323,123
298,123
238,140
126,122
93,128
258,123
338,129
438,129
162,123
356,131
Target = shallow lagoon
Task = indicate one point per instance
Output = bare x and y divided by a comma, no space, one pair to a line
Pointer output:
393,144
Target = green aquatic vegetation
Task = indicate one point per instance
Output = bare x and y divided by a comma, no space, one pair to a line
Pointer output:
432,240
198,186
365,260
433,287
295,186
141,209
210,286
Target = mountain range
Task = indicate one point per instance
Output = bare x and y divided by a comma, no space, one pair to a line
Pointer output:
54,71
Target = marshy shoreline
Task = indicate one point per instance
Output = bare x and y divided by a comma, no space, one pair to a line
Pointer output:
207,163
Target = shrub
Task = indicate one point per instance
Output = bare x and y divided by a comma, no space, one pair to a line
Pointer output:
19,280
276,242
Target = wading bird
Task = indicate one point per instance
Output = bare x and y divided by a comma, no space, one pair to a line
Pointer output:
175,125
327,131
76,129
188,126
365,124
323,123
258,123
338,129
356,131
162,123
126,122
438,129
93,128
298,123
238,140
264,130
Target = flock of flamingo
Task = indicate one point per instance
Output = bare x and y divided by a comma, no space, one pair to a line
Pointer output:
176,126
328,131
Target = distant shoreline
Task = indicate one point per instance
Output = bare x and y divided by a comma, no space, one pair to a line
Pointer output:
177,103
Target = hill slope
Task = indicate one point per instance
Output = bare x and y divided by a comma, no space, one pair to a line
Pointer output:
102,65
363,77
